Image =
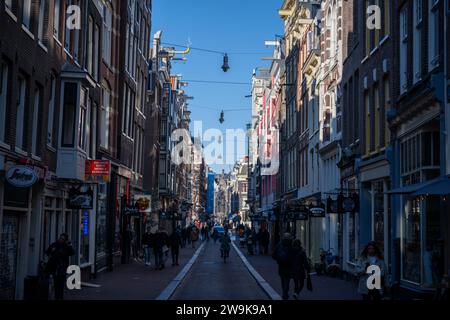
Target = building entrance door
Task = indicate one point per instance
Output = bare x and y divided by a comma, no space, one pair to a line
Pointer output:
9,245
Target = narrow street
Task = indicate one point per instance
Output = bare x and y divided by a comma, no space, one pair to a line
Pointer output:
212,279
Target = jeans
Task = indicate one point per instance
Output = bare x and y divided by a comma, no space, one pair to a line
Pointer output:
285,280
147,255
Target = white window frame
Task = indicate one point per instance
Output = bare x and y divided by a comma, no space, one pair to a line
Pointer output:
56,19
107,34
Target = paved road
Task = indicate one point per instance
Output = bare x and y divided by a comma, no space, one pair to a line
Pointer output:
211,279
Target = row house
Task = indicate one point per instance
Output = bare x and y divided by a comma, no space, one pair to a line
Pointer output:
62,102
420,184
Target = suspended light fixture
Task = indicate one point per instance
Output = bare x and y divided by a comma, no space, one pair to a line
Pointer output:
225,66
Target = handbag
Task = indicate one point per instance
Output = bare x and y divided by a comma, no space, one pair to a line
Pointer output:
165,248
309,283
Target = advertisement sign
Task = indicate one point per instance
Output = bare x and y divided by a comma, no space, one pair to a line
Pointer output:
97,171
80,199
143,202
21,176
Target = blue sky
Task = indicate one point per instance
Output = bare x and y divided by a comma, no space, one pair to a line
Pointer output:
232,26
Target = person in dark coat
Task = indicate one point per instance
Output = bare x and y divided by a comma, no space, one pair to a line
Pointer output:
299,267
265,239
283,256
161,240
59,254
147,242
183,237
175,243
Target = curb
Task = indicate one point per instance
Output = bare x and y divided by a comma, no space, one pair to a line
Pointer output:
173,285
273,295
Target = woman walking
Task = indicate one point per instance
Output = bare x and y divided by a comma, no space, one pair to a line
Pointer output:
370,257
300,267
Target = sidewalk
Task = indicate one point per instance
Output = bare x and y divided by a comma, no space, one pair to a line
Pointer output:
324,288
134,281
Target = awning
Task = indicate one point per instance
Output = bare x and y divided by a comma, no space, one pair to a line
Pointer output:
440,187
417,189
410,188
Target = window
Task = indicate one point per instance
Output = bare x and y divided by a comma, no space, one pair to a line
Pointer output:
367,31
107,34
403,50
96,51
376,96
26,20
90,48
69,113
51,110
433,34
104,119
367,122
3,98
417,41
387,106
92,148
22,85
41,20
387,18
36,121
56,17
67,32
82,121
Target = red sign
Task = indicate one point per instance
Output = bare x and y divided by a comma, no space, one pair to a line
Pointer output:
97,170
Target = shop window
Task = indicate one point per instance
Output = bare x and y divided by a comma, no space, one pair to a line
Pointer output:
69,114
9,246
378,219
411,244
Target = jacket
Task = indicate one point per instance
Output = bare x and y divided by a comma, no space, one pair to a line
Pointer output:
59,254
299,265
361,269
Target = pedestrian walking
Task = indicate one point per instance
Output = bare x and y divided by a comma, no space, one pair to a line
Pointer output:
59,254
371,256
265,240
300,267
188,235
283,256
194,236
147,243
225,242
160,249
175,243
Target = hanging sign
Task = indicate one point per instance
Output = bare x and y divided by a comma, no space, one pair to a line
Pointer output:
80,199
21,176
317,211
97,171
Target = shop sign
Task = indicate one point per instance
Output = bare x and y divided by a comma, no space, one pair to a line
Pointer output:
97,171
21,176
80,199
132,211
348,204
317,211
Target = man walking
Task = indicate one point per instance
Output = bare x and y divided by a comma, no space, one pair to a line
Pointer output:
265,239
59,253
283,256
